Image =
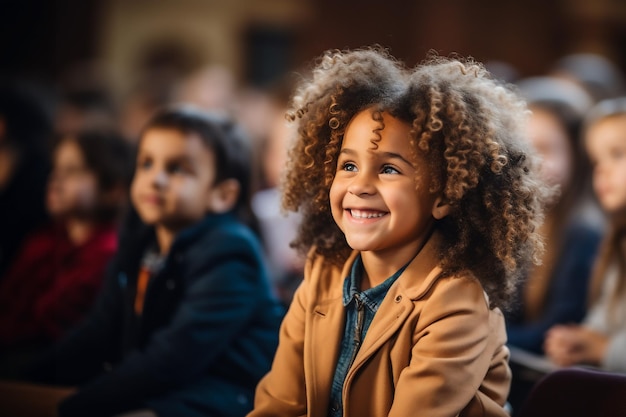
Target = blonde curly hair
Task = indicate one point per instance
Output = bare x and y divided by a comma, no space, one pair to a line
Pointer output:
470,130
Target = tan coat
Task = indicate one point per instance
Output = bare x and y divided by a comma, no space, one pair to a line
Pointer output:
433,349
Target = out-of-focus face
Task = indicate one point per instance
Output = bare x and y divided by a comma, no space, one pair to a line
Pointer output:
550,139
72,186
606,146
374,197
275,155
173,180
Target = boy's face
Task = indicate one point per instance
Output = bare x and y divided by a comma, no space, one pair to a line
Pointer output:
606,147
72,186
373,197
174,179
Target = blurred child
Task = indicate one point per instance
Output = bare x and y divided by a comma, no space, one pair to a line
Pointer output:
419,207
186,324
54,278
555,292
601,339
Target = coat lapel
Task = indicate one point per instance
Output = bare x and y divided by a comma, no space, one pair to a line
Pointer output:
393,312
398,304
326,325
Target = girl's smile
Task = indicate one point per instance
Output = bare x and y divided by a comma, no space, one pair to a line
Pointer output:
364,214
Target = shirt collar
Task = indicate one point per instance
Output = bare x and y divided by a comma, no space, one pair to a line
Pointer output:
372,297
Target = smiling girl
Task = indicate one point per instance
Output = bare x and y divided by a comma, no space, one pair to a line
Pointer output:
420,205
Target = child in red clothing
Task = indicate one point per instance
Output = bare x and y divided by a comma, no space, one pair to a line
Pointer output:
57,272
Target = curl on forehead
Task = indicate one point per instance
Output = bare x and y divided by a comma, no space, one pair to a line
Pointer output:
376,115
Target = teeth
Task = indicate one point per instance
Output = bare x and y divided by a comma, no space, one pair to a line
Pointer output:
358,214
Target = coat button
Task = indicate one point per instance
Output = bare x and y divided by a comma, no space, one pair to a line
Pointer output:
398,298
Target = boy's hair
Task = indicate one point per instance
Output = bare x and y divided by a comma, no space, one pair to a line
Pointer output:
225,138
342,84
469,127
471,130
110,157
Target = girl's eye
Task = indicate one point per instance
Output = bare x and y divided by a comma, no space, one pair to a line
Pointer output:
175,169
349,166
388,169
144,164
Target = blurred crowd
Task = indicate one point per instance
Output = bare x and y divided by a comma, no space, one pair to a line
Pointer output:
67,157
556,314
34,118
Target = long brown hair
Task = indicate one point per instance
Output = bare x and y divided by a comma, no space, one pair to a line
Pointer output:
613,249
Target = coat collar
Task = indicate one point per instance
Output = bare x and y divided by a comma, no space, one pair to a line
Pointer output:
417,279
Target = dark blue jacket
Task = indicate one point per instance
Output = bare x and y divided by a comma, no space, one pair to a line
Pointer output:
208,332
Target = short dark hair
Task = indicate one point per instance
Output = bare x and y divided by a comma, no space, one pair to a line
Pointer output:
224,137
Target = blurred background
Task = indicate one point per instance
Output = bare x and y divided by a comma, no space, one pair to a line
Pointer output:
112,63
128,41
97,64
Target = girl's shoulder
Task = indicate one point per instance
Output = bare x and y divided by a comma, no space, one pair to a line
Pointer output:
462,286
325,276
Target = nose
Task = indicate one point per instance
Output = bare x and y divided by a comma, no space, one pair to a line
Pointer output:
160,178
362,184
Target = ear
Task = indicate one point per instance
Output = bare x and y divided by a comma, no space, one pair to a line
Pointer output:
440,208
223,196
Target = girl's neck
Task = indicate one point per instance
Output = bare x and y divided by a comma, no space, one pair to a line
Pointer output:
79,230
378,267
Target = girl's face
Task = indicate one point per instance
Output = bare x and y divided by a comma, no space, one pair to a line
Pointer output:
550,139
606,146
173,182
374,197
72,186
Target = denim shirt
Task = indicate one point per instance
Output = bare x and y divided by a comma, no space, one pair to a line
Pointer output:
361,306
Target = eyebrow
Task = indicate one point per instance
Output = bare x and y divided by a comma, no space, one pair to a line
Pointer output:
390,155
177,159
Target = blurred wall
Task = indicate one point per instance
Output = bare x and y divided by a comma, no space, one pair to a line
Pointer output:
184,35
258,39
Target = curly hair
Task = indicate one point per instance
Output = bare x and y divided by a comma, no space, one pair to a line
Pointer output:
342,83
470,129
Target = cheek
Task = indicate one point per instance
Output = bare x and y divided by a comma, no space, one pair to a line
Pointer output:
134,189
336,195
558,170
